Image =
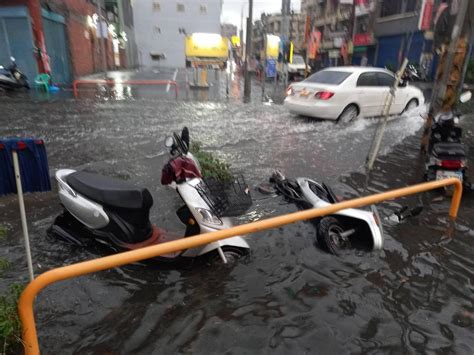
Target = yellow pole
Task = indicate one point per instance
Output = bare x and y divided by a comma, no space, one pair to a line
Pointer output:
25,304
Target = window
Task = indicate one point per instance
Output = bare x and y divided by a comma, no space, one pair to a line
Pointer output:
180,7
157,29
331,77
410,6
203,9
367,79
156,7
385,79
391,7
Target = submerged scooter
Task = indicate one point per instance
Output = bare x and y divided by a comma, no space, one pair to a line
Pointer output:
341,230
446,154
12,78
116,213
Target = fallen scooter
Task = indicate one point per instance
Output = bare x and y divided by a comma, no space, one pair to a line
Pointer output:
116,213
12,78
341,230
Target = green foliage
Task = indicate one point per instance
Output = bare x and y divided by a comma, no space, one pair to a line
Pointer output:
4,265
211,166
470,72
10,326
3,231
391,66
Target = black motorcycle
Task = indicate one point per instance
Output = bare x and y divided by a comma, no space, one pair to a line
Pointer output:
12,78
446,154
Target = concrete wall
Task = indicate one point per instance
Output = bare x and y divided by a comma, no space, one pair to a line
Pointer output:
158,31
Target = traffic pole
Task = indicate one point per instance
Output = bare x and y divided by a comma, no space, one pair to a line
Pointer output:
248,54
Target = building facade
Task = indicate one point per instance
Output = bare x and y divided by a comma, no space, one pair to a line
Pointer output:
71,34
272,24
161,27
120,14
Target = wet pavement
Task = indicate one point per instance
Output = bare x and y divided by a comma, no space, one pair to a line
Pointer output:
286,296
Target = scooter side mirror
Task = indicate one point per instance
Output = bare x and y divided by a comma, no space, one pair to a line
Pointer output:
465,97
169,142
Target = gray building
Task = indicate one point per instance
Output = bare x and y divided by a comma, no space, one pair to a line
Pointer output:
161,27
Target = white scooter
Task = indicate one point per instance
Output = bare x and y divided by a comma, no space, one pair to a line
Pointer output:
116,213
342,230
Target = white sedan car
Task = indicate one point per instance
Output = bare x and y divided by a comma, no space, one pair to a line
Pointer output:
344,93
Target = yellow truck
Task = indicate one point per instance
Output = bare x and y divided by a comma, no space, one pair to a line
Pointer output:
206,49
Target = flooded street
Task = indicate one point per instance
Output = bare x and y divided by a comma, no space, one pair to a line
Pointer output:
287,295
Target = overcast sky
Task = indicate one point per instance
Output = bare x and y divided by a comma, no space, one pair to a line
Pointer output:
232,9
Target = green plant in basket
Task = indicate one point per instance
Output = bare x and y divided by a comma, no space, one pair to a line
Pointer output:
211,166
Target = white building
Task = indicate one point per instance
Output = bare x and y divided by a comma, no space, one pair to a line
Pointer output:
161,26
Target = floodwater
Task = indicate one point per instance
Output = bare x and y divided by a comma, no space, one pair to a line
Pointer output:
286,296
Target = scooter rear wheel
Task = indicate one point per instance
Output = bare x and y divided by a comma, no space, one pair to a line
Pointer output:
329,237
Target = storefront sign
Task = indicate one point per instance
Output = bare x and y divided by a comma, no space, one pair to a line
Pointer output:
426,14
363,39
314,44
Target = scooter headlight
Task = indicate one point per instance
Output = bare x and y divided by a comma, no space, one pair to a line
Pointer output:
207,217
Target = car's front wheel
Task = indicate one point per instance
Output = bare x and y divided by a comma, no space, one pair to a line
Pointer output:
349,114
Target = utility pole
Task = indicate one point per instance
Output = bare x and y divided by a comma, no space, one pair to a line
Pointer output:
285,34
42,59
264,57
102,36
242,32
449,72
248,50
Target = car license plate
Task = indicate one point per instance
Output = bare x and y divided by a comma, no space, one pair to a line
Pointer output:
444,174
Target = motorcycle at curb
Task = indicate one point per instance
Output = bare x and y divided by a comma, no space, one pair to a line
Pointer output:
446,154
12,78
116,213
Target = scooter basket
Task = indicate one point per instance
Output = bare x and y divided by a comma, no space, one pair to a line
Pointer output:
226,198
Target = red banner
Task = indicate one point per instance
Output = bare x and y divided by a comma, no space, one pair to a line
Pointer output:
363,39
426,15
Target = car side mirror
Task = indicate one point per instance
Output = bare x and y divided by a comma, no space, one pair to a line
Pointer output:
465,97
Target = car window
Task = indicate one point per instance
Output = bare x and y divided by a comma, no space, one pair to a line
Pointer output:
385,79
367,79
332,77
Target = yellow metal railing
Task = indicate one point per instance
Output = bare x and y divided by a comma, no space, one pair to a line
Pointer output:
25,304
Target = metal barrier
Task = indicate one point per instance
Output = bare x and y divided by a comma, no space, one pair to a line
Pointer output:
25,304
76,83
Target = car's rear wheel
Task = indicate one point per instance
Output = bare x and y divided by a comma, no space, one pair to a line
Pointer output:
349,114
411,105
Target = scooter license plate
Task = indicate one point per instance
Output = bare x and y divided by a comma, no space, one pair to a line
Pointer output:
444,174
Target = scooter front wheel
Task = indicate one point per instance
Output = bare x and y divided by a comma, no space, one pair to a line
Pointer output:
231,254
330,236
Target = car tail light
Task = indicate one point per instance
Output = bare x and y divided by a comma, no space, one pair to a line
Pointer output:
323,95
290,91
451,164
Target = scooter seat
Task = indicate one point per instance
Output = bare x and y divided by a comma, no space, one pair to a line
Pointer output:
110,191
449,150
